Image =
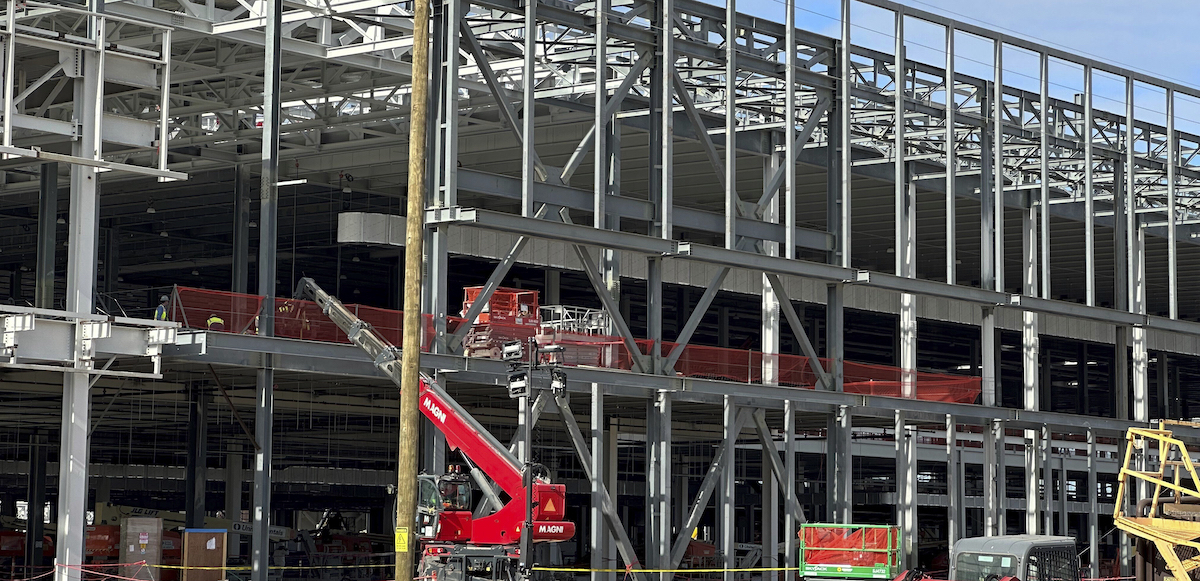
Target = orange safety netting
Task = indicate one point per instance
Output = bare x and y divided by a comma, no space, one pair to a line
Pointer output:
194,307
857,547
298,319
294,319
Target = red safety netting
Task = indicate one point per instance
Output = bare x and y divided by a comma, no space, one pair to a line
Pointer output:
194,307
297,319
294,319
849,546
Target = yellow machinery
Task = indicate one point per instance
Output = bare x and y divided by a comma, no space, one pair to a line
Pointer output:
1172,524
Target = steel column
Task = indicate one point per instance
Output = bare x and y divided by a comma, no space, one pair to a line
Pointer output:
789,136
240,282
1172,211
654,311
81,283
1141,371
264,413
988,348
529,109
35,503
728,505
906,489
769,314
1030,371
596,515
835,349
1093,505
47,245
954,501
839,460
600,179
660,473
1089,190
233,495
731,196
664,223
1044,172
998,163
1047,480
197,456
951,163
789,484
847,138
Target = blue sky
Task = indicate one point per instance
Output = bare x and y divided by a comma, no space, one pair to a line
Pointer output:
1149,36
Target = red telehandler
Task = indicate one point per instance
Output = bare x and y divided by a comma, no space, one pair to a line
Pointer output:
455,544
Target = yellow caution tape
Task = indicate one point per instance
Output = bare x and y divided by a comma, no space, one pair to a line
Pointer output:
632,570
294,568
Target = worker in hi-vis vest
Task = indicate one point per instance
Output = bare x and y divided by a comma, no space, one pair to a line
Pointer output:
215,323
160,314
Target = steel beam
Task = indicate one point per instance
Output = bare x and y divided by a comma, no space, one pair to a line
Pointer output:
557,195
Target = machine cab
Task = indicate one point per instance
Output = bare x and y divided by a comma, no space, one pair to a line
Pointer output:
444,506
1025,557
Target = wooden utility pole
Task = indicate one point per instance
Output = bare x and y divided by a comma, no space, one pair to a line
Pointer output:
410,362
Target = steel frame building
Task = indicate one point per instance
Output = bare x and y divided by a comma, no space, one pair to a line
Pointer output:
664,143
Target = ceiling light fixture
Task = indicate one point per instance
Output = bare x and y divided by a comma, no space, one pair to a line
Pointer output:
150,207
253,224
355,259
62,220
195,272
163,234
167,256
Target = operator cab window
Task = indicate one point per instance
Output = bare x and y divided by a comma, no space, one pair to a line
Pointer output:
985,566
